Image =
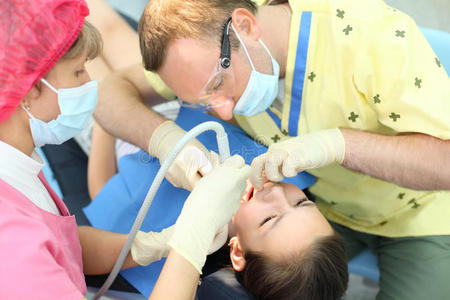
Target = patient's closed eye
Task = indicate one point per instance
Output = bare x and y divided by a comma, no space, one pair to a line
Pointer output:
301,201
267,220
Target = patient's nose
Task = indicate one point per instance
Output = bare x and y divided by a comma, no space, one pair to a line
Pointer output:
275,195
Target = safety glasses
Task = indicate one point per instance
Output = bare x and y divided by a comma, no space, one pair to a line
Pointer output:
218,90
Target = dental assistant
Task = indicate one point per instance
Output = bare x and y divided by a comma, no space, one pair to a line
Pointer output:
47,97
349,90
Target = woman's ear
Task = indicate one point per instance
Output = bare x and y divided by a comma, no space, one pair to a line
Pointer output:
236,254
33,94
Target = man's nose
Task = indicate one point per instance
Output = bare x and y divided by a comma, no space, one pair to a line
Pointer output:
225,109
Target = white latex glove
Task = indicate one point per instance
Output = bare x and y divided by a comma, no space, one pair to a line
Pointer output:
190,164
288,158
210,206
151,246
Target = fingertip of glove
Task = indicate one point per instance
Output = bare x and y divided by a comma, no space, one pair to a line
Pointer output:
234,161
256,181
246,170
288,171
274,176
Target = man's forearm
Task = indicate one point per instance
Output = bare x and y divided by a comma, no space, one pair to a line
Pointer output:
416,161
101,249
122,112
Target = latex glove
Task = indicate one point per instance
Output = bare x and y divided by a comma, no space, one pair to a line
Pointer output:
151,246
210,206
288,158
190,164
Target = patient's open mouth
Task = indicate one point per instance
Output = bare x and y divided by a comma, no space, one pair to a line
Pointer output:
250,193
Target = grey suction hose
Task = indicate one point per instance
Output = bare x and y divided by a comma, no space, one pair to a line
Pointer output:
224,153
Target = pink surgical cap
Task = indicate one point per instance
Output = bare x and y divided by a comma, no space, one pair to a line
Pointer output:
34,35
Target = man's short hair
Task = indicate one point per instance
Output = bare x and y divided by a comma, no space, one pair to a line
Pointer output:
164,21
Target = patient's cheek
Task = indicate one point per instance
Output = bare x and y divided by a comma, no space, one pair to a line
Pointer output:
245,218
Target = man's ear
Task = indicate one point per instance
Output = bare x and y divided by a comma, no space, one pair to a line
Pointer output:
236,254
245,23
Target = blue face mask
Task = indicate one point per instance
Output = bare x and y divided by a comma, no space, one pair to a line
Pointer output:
76,105
261,90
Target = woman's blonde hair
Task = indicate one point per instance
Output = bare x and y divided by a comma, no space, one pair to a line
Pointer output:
89,42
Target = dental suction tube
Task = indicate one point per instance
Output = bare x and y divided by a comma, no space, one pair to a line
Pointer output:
224,153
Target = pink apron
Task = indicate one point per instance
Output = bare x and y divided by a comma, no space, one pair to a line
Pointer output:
40,251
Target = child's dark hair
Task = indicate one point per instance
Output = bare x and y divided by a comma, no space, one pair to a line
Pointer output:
317,273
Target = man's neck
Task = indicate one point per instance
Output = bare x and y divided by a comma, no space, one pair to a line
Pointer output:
275,24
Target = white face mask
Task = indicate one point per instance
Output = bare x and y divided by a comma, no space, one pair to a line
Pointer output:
261,90
76,105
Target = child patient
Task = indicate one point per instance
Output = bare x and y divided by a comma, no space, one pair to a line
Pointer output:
281,246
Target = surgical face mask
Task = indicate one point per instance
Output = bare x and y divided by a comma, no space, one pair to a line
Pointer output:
76,105
261,89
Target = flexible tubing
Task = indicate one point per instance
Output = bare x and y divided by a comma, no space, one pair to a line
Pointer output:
224,153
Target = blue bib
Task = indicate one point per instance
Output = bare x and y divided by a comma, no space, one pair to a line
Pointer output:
117,204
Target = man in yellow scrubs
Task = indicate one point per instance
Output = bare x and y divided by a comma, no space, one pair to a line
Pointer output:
349,90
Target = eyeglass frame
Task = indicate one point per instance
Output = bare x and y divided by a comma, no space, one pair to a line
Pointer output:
224,61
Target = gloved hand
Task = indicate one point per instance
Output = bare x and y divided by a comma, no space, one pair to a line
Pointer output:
210,206
190,164
151,246
288,158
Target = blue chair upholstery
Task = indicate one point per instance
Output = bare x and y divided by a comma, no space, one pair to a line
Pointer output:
222,285
365,264
440,42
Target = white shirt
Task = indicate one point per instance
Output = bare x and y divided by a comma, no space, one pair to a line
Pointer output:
21,172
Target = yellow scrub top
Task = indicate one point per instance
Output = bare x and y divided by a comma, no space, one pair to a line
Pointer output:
363,65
